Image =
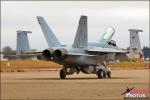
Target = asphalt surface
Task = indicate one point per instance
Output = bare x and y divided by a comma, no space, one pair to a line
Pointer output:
47,85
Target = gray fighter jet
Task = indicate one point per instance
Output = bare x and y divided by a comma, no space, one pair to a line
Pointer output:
89,58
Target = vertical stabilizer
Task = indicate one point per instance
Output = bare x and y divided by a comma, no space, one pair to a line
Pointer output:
81,39
49,35
135,46
22,42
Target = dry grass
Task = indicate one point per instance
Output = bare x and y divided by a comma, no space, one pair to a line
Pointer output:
128,64
20,65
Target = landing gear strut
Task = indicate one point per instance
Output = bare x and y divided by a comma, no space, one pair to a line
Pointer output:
103,72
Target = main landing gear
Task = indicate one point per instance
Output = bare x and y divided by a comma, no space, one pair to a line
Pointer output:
102,72
66,71
62,74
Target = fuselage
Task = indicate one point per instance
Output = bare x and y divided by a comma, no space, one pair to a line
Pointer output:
79,56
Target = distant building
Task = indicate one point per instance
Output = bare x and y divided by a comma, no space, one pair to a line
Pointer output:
2,57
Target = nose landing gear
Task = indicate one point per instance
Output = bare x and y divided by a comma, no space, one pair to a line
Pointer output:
101,73
109,74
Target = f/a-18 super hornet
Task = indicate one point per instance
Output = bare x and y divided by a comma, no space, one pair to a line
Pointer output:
89,58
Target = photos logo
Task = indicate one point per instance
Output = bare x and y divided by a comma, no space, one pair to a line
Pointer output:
136,94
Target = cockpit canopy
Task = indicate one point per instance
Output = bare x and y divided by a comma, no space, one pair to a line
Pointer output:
107,35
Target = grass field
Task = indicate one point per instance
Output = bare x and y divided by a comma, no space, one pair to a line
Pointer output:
20,65
128,64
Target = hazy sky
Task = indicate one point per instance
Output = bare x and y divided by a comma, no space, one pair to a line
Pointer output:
63,17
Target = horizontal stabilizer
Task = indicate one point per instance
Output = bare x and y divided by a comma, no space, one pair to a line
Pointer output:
81,39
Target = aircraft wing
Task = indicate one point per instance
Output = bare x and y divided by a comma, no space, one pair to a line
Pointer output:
106,50
30,53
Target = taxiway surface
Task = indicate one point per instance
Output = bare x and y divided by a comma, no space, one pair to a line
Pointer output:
47,85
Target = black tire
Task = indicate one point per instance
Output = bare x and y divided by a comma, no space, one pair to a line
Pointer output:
109,74
104,74
62,74
101,74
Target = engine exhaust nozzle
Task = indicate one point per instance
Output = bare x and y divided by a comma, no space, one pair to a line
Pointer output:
47,54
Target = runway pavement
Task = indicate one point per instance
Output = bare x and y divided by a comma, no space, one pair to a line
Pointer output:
47,85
